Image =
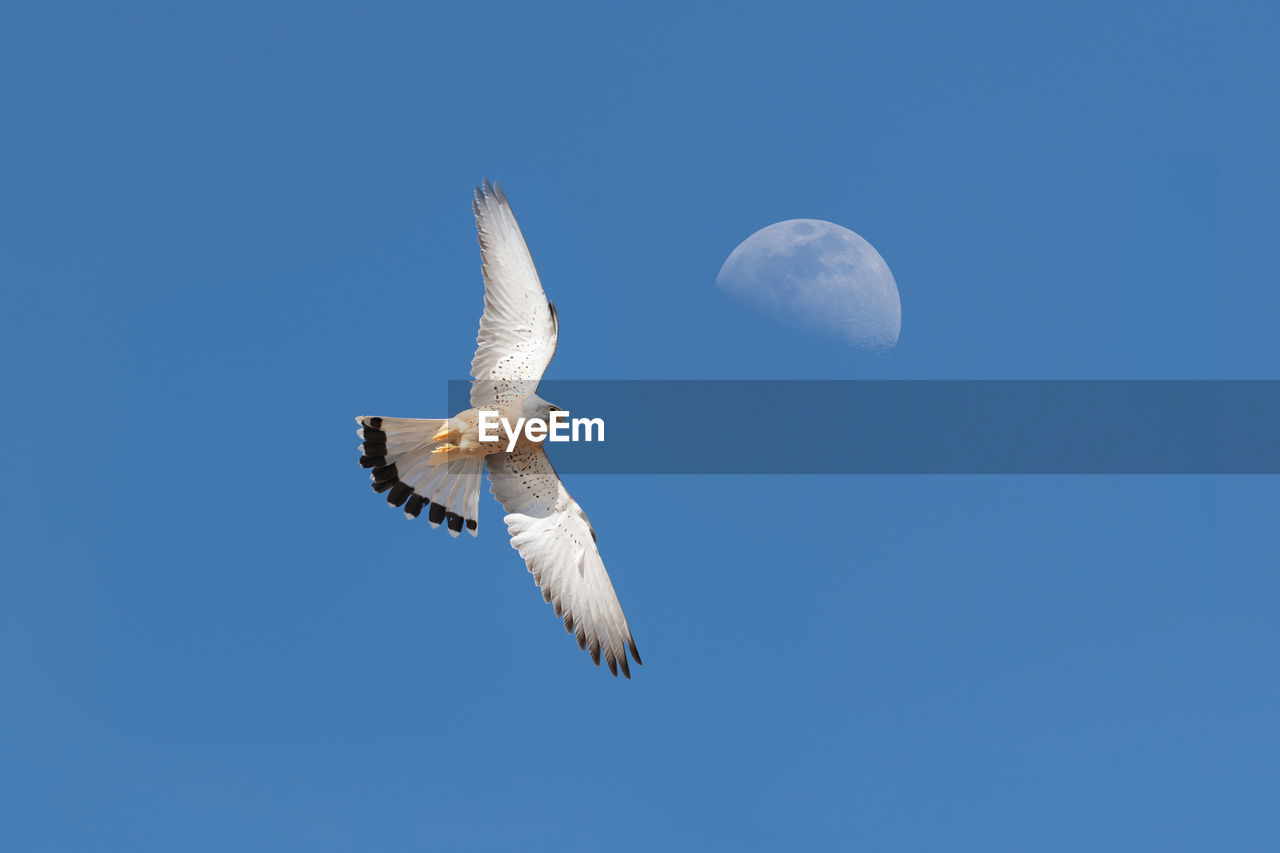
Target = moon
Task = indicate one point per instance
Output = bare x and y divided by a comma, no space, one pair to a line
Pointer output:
818,274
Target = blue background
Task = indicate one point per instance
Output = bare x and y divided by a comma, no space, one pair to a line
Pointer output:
226,231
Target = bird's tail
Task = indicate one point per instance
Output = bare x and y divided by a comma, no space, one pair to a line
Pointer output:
399,450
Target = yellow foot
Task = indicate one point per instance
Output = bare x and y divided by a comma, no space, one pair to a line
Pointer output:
445,448
443,433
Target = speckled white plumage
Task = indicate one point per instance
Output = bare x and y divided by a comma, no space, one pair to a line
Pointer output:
434,466
516,342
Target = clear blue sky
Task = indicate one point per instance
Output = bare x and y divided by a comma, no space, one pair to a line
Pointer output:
225,232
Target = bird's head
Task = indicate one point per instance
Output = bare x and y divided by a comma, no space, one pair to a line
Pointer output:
534,406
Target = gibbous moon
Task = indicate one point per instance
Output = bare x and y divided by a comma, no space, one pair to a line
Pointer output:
821,275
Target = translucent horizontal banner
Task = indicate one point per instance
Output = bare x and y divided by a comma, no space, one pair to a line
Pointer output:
915,427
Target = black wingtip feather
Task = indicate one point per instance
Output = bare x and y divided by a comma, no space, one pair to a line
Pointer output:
454,521
435,514
634,652
414,506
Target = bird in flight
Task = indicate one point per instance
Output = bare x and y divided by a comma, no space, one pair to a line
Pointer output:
436,465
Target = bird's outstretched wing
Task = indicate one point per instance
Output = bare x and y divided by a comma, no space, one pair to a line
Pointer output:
518,330
555,538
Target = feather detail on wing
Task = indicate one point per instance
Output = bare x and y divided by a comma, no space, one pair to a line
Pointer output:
555,538
518,329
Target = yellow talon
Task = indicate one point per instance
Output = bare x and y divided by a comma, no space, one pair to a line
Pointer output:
443,433
445,448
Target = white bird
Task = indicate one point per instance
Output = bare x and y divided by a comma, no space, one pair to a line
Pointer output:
436,464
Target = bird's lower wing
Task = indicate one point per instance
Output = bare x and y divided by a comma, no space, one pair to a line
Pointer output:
555,538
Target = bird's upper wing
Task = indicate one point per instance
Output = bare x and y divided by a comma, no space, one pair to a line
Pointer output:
555,538
518,330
